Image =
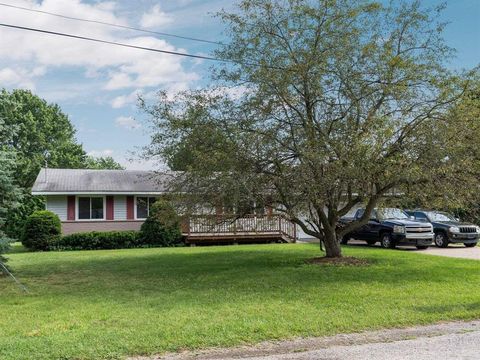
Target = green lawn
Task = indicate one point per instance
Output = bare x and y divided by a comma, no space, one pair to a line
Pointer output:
109,304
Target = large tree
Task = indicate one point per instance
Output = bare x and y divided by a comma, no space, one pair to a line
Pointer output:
9,191
344,101
43,133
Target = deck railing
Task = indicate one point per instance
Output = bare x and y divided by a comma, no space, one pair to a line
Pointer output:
247,225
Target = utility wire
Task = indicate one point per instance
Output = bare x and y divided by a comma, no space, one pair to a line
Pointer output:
111,24
113,43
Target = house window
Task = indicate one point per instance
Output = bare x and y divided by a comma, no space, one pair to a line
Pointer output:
90,208
143,206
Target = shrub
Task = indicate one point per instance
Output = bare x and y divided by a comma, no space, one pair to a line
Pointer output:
96,240
162,227
41,231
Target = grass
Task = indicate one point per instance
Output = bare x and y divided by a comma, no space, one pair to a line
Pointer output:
110,304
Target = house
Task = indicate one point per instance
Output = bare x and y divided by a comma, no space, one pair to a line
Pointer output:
106,200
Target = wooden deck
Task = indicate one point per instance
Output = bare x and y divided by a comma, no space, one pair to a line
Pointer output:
210,229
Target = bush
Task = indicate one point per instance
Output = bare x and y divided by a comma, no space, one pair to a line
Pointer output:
41,231
162,227
99,240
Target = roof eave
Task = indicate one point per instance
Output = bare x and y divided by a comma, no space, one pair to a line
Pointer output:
105,192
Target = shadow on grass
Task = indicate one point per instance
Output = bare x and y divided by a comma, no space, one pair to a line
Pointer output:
261,269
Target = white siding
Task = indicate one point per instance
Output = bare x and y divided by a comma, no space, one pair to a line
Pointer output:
120,207
58,205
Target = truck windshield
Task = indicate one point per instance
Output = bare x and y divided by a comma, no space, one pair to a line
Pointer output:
391,213
440,216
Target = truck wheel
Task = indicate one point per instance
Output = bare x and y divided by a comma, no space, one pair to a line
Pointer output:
345,239
470,245
441,239
386,241
371,242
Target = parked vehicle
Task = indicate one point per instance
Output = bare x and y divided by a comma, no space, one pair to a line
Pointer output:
447,228
391,227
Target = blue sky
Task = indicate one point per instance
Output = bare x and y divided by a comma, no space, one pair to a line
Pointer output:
96,85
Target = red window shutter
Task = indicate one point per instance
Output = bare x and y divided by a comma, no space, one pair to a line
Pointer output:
109,207
71,208
130,205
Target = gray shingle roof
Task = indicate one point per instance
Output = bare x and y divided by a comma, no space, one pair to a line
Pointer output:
101,181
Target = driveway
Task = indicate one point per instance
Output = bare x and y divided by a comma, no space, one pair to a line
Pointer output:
453,250
456,251
450,340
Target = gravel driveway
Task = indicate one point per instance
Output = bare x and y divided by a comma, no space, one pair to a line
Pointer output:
448,340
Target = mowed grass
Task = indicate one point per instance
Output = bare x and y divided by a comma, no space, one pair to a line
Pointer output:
111,304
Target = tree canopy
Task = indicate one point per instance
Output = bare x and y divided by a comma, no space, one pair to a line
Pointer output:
9,191
36,132
342,103
106,163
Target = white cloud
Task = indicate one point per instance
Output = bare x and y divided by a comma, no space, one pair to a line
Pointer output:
117,67
124,100
127,122
20,77
131,99
155,18
100,153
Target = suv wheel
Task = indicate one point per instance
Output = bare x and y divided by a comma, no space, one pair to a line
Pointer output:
345,239
386,241
441,239
470,245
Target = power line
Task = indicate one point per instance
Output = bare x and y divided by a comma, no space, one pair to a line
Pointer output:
113,43
111,24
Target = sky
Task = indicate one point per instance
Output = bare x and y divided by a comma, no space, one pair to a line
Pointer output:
97,85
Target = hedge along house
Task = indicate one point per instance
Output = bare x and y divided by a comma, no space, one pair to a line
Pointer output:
118,200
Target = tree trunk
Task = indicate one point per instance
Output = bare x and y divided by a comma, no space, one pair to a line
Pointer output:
332,246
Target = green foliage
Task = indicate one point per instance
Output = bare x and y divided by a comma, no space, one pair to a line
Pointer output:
102,163
162,227
34,130
17,216
335,104
42,230
9,191
99,240
41,128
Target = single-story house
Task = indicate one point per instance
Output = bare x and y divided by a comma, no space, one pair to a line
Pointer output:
106,200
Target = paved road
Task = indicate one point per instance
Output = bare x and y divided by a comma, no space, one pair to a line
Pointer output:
448,340
457,346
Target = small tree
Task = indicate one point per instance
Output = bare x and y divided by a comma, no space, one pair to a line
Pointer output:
42,230
162,226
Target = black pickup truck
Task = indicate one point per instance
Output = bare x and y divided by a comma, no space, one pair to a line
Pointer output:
447,228
391,227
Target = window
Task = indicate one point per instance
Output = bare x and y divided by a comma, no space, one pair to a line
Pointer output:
421,217
360,212
143,206
90,208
